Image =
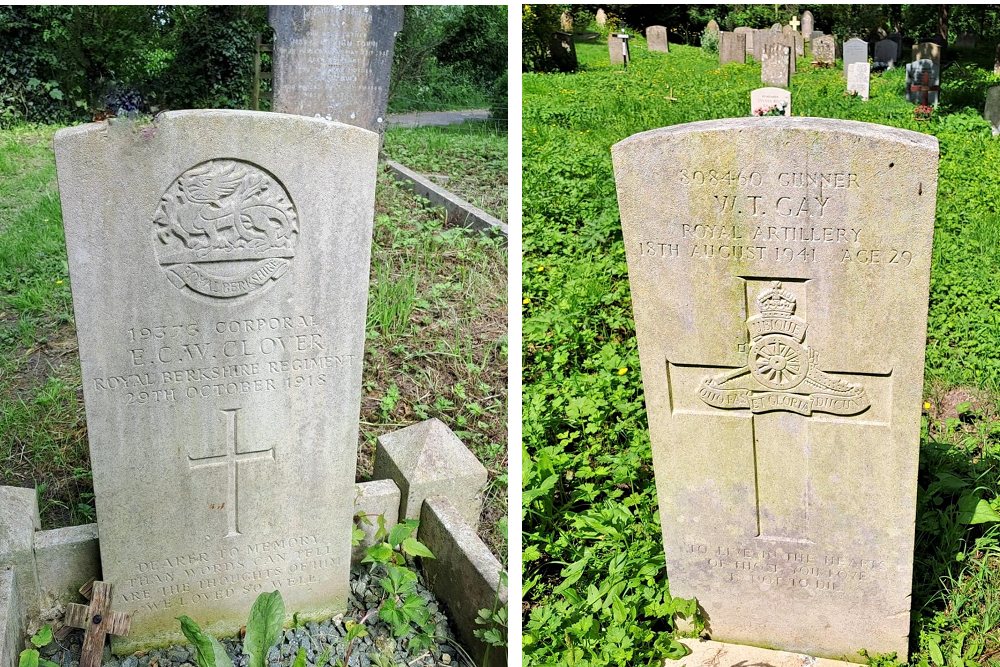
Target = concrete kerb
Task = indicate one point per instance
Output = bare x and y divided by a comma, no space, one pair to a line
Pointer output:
460,212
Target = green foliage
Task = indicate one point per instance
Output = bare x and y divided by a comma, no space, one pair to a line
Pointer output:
493,625
267,616
209,652
710,41
30,657
539,24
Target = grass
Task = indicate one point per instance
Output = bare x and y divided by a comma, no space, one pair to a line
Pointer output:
469,159
436,338
594,571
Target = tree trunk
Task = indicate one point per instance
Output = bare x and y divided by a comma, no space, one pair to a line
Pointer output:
943,23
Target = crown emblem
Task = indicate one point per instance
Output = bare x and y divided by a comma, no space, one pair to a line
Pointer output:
776,302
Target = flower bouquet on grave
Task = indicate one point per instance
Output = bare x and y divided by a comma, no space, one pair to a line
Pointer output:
923,112
774,110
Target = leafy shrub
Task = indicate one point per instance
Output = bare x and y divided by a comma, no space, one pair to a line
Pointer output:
710,41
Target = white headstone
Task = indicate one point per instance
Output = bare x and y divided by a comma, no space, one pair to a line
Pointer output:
859,79
763,100
854,51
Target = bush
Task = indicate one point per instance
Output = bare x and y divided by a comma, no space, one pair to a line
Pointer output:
710,41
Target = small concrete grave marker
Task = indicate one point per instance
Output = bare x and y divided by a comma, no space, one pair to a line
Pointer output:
859,79
656,39
807,25
732,48
220,283
927,51
885,53
97,620
779,271
855,51
775,67
618,48
923,82
762,100
824,50
992,111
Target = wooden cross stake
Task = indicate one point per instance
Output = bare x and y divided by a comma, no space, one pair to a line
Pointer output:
97,621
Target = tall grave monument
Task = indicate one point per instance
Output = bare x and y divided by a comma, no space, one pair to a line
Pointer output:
807,25
334,61
779,270
220,282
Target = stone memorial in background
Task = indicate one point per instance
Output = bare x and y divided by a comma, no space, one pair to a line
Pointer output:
566,22
618,48
807,25
601,18
859,79
763,100
748,34
855,51
967,40
824,49
220,282
713,26
334,61
761,38
563,51
656,39
776,27
928,50
732,48
885,53
996,60
789,41
779,272
800,45
775,68
815,34
923,82
992,111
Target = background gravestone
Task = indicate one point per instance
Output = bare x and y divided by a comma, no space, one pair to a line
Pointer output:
732,48
761,39
601,18
923,74
713,26
967,40
824,49
563,51
766,98
618,48
898,38
566,22
656,39
775,68
220,283
885,53
859,79
789,40
334,61
807,25
996,60
748,34
781,321
992,111
928,50
855,51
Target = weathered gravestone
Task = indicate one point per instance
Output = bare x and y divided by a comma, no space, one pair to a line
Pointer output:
713,26
824,50
220,282
601,18
656,39
923,82
748,34
566,22
732,48
996,60
334,61
779,275
885,53
789,41
776,27
859,79
761,38
967,40
800,45
763,100
563,51
927,50
855,51
992,111
807,25
618,48
775,68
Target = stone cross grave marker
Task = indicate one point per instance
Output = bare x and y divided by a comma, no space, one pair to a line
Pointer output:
775,68
779,270
859,79
885,53
763,99
855,51
334,61
618,48
807,25
992,110
656,39
732,48
927,50
794,22
824,49
220,284
923,82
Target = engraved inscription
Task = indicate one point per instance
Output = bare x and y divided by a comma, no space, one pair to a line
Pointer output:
779,361
225,229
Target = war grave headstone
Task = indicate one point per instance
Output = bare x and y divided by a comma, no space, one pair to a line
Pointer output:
762,100
779,272
601,18
927,50
334,61
656,39
732,48
713,26
807,25
220,284
992,110
824,50
885,53
859,79
618,48
855,51
923,82
775,68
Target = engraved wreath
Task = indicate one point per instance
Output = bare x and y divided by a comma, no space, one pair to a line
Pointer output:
225,228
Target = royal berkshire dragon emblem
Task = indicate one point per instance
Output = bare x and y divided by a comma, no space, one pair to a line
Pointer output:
782,373
225,229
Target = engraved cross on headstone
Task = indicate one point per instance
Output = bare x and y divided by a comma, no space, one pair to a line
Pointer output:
232,458
784,426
